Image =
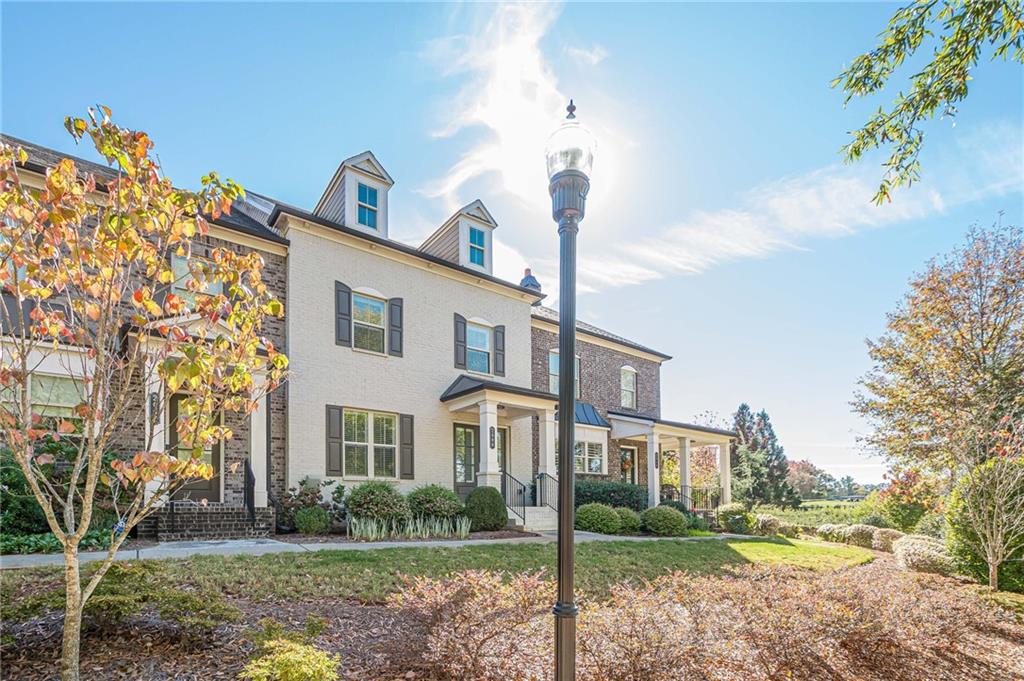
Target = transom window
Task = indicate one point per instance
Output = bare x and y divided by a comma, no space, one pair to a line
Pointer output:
369,444
367,206
368,315
627,381
476,246
553,373
478,348
181,286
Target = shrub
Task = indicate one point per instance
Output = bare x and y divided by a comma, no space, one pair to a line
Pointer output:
630,520
614,494
932,525
378,500
486,509
664,521
922,554
286,660
789,530
434,501
766,525
698,522
30,543
883,538
307,495
338,510
874,520
598,518
734,518
312,520
678,505
830,532
859,535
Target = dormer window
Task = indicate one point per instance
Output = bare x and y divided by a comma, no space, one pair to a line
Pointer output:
477,241
367,206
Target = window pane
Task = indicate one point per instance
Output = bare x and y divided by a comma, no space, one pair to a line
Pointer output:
368,338
479,361
628,379
55,395
368,310
595,457
476,237
629,399
363,190
371,218
383,429
465,455
355,426
355,460
478,337
476,256
579,463
384,462
371,196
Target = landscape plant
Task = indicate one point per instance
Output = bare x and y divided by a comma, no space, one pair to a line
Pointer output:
87,278
307,494
434,501
922,554
312,520
664,521
766,525
486,510
859,535
598,518
629,520
377,500
883,538
614,494
734,518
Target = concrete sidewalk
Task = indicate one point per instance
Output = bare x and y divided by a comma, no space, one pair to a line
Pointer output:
259,547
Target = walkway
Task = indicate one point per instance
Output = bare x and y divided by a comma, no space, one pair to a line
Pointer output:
259,547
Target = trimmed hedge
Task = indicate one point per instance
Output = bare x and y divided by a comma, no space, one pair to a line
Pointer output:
665,521
830,532
434,501
614,494
377,500
883,538
860,535
312,520
766,525
630,519
598,518
922,554
486,510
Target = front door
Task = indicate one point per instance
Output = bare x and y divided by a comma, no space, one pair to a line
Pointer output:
198,489
628,457
467,456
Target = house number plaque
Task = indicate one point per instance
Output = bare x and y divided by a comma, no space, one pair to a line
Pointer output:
492,436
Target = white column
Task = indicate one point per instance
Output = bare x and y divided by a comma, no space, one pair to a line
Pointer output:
725,472
258,449
653,472
684,463
489,475
546,443
156,424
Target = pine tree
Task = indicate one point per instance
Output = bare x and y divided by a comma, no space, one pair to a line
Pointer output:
743,423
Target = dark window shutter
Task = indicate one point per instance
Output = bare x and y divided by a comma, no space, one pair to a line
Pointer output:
460,342
342,314
395,327
499,351
335,428
407,464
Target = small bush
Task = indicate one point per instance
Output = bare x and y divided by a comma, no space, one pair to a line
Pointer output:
630,520
932,525
766,525
29,543
197,615
378,500
699,522
859,535
312,520
664,521
874,520
789,530
614,494
829,532
598,518
922,554
734,518
883,538
286,660
678,505
308,494
486,510
434,501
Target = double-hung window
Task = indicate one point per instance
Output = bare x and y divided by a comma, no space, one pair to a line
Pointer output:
369,444
182,285
589,456
368,320
477,248
478,348
553,373
367,206
627,383
53,398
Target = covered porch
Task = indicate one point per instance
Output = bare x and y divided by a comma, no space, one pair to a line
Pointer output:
660,436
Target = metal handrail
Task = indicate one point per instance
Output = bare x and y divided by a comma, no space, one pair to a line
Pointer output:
547,491
250,491
514,493
700,498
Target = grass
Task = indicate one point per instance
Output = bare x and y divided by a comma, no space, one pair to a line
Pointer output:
369,576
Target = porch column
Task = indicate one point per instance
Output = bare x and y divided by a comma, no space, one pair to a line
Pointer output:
546,443
489,475
653,472
258,449
156,426
725,472
684,464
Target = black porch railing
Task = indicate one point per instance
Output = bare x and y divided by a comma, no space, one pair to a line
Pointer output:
547,491
515,495
250,491
700,498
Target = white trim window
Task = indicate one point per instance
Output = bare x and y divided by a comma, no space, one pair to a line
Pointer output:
370,444
590,449
183,276
479,344
366,206
368,323
553,369
51,397
477,247
627,383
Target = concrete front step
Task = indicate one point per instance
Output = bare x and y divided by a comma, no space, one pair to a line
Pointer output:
539,519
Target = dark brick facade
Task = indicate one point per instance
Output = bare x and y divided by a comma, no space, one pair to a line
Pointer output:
600,386
190,521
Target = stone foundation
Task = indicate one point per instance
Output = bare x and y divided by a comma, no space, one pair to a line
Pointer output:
190,522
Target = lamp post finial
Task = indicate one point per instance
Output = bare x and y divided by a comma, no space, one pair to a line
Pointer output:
572,111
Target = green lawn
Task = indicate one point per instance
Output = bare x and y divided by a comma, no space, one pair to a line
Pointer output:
369,576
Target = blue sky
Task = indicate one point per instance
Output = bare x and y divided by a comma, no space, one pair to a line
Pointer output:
722,227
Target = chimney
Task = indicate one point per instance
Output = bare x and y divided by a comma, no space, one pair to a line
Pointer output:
529,281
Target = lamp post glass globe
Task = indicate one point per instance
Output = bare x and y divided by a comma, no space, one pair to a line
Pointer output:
570,147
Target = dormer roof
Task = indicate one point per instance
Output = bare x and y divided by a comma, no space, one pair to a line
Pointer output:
366,163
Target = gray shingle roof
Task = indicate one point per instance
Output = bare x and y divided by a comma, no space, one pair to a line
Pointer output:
547,314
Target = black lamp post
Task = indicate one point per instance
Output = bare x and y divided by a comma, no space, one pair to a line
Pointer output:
570,157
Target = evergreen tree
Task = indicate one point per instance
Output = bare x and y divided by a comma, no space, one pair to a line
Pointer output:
743,423
758,435
749,477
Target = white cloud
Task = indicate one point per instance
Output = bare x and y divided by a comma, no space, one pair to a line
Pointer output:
592,57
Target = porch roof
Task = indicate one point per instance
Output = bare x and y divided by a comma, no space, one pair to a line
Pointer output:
467,385
587,415
633,425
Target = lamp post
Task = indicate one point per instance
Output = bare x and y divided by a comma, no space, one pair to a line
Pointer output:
570,157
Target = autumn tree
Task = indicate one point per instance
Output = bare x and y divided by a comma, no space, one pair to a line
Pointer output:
958,33
951,361
88,294
804,477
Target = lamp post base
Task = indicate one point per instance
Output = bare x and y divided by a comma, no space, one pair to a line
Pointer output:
565,640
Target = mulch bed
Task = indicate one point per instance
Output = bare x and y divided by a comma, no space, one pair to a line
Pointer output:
296,538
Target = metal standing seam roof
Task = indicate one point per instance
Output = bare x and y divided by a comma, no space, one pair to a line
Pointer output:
676,424
587,415
548,314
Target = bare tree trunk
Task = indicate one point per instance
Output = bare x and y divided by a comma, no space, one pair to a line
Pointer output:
993,575
72,616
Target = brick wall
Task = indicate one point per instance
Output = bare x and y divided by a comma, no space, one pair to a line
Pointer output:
216,521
